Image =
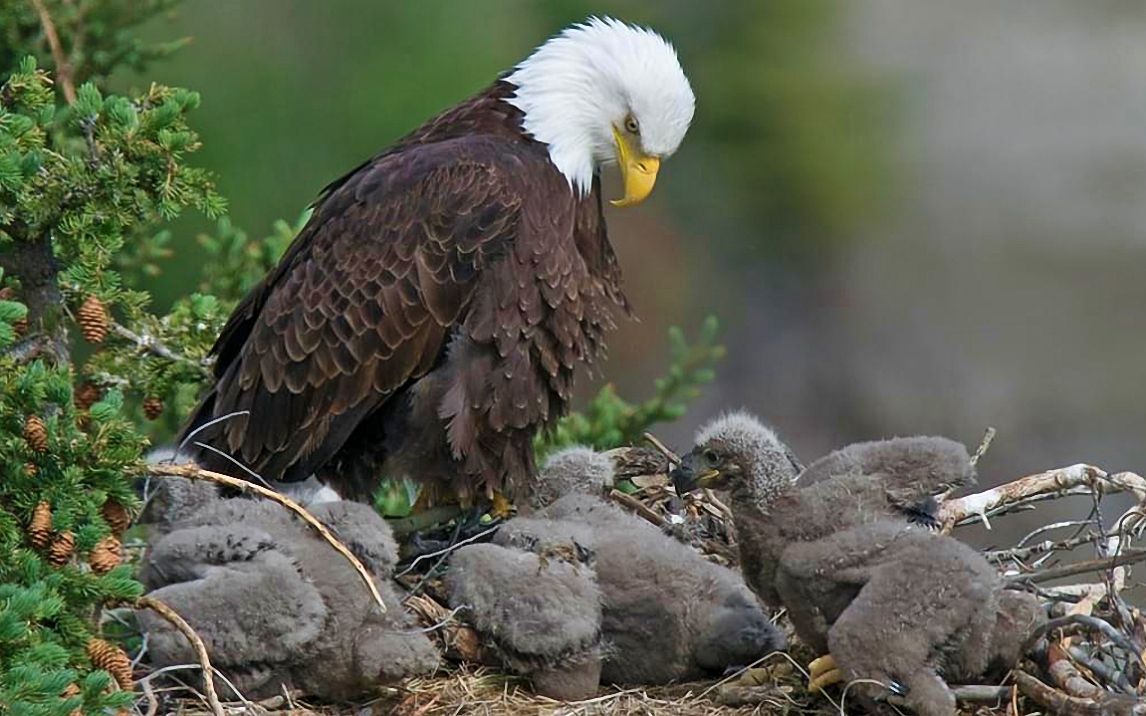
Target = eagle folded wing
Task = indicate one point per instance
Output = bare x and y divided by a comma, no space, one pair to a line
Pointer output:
362,303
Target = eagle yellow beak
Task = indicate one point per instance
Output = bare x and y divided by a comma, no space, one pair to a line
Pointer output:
638,170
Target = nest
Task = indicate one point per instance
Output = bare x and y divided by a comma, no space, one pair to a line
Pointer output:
1090,659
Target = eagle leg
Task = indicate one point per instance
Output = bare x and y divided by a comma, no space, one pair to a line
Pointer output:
823,672
501,508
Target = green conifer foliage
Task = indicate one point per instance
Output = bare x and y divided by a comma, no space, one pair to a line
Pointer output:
87,178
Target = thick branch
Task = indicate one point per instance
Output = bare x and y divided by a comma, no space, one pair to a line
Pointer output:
31,260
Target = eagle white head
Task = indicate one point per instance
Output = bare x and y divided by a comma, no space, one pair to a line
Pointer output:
602,92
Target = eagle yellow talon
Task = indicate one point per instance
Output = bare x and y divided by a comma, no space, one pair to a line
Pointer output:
760,676
501,508
823,672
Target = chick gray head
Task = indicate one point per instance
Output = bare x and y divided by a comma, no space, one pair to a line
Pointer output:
738,453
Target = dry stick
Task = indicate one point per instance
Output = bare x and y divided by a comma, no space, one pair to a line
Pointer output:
196,643
637,506
984,446
1049,483
63,66
1069,570
980,693
673,458
1040,548
195,473
1060,703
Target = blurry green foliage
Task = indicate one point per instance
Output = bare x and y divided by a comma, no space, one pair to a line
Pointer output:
797,138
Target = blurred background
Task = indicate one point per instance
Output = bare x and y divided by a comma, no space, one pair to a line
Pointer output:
909,217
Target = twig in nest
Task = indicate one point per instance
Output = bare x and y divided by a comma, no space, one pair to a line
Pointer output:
980,693
195,473
63,66
984,446
1060,703
652,440
1069,570
446,550
1067,676
196,643
1053,482
637,506
1080,622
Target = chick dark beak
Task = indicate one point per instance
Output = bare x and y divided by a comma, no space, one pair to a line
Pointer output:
684,477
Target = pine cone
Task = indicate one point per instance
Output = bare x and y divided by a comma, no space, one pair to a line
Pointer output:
30,469
106,555
86,395
36,433
40,528
93,319
116,516
62,549
152,407
72,690
109,657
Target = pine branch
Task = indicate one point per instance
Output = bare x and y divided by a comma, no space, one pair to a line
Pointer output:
152,345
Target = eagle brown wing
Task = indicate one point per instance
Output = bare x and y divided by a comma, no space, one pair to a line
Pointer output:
362,302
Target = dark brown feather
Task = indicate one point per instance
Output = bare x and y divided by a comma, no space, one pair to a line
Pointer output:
428,319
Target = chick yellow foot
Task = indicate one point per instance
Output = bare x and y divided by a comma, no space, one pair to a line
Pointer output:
501,508
823,672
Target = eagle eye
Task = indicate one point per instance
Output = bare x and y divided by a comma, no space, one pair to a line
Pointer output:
631,125
711,457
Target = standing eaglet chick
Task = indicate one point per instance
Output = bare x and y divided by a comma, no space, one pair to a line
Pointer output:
907,608
772,509
789,533
667,613
275,605
541,614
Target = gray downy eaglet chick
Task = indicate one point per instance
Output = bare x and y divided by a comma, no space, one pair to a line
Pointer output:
540,614
905,607
917,462
772,508
788,531
573,469
668,614
274,604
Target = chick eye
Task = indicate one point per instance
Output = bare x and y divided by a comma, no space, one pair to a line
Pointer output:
631,125
711,457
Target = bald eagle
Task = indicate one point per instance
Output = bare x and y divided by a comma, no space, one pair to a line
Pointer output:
429,318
